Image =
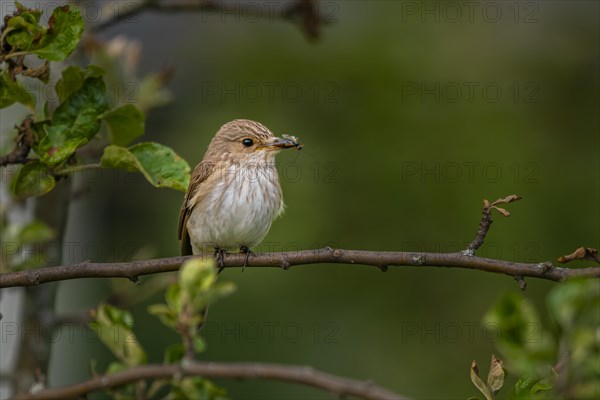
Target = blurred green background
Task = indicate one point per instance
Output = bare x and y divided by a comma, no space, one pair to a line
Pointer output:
410,116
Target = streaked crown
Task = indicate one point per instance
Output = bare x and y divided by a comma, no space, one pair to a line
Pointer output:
239,140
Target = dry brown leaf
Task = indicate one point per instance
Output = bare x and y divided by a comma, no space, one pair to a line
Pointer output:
502,211
479,384
582,253
496,375
507,199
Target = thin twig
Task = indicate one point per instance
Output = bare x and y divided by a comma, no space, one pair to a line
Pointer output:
24,141
287,373
486,220
13,55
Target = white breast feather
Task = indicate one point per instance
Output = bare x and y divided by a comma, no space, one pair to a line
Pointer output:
238,212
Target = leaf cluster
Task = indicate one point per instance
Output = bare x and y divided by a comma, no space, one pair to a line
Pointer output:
183,311
558,360
81,115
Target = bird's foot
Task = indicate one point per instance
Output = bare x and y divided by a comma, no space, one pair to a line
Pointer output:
246,250
220,258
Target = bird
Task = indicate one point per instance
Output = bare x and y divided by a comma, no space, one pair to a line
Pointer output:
234,193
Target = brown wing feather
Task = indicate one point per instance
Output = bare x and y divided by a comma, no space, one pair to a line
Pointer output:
200,174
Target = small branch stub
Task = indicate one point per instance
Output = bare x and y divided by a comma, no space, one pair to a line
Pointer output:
521,281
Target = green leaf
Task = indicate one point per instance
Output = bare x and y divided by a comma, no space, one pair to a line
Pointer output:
196,388
166,315
119,317
32,232
197,279
65,28
575,308
83,107
35,232
14,92
24,34
161,166
73,79
523,385
173,297
191,388
526,346
199,345
115,367
22,29
174,353
33,179
531,388
187,299
197,275
15,236
575,303
74,122
114,327
542,386
478,382
126,123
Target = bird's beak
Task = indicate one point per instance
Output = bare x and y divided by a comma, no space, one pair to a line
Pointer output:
282,143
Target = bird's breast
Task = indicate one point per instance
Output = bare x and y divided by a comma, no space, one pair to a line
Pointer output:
238,208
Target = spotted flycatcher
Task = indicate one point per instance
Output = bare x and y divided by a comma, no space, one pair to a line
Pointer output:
234,193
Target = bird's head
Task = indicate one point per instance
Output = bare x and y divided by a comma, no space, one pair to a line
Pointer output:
243,140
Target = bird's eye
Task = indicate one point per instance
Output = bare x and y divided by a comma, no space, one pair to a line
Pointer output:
247,142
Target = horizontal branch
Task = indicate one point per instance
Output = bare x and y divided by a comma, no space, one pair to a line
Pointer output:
293,374
382,260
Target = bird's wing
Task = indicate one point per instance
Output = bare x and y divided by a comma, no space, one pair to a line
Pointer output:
200,174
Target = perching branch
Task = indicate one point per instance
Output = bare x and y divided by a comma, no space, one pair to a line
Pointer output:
304,12
293,374
380,259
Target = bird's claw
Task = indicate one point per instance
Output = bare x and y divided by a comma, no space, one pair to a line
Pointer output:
220,258
246,250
